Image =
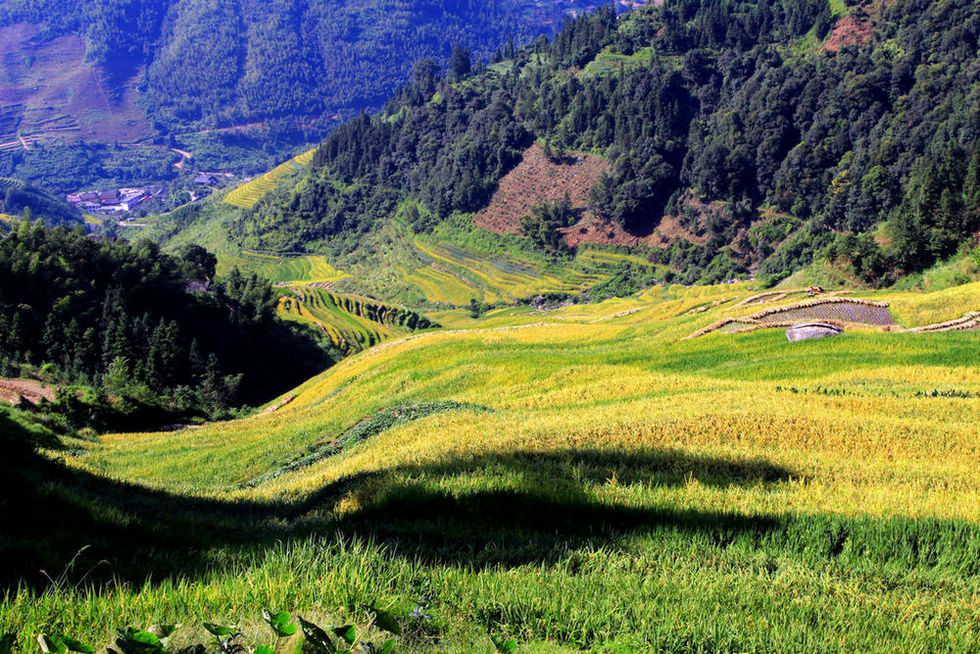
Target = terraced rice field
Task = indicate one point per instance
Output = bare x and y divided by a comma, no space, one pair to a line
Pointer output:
835,310
916,309
598,262
843,311
467,275
579,480
279,269
352,323
604,257
246,195
11,183
441,287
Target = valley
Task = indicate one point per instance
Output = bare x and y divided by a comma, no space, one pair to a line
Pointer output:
92,84
644,327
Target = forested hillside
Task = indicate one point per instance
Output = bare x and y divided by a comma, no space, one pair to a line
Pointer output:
295,63
770,133
18,199
151,330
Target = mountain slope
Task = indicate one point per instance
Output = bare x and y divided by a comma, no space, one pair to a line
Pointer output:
754,136
19,199
142,325
215,78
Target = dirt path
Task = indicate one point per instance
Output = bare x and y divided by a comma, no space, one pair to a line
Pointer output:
275,407
186,157
232,128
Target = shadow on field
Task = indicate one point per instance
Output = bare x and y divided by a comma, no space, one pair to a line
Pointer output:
530,506
493,510
523,507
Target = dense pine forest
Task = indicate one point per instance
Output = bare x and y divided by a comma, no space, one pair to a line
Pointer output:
769,148
145,334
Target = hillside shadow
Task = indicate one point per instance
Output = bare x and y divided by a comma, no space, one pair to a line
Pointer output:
528,507
539,504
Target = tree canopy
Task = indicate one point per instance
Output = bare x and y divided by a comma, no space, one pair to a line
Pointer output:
727,115
136,322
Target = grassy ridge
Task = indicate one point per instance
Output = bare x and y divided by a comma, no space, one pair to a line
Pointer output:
627,489
608,62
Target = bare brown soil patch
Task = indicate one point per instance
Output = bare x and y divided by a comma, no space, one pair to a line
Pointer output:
849,30
595,230
12,390
48,94
538,179
670,230
693,210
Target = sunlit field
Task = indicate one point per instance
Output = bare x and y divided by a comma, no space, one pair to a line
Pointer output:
454,276
586,478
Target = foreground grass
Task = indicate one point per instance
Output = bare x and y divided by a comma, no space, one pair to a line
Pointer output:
600,484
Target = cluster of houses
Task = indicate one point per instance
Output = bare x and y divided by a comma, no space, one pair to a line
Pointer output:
131,199
123,199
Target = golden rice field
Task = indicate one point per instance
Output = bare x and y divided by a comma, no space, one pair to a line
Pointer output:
605,257
441,287
913,309
281,269
349,333
582,479
454,276
351,322
246,195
